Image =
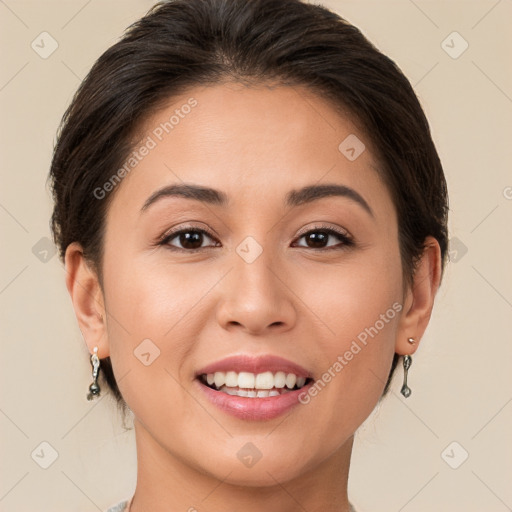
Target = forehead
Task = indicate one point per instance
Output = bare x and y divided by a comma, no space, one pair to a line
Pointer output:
251,142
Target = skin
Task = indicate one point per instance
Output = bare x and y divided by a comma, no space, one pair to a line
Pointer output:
303,303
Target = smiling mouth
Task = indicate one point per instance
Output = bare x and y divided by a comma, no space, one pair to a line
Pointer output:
249,385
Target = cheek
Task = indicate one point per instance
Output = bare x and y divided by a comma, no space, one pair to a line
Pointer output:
154,298
151,322
157,308
359,311
141,306
350,297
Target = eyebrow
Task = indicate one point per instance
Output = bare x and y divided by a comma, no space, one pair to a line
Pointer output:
294,198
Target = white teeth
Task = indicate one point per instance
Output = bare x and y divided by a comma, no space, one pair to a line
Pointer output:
219,379
245,380
280,380
264,381
291,379
270,384
231,379
253,393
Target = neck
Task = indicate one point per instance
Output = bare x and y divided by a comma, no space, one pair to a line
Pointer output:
166,483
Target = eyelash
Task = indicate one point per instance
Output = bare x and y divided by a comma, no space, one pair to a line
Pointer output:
346,240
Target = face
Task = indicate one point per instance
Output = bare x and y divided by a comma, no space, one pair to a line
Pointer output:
261,270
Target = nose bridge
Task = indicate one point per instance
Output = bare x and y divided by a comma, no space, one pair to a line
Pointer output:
255,268
254,295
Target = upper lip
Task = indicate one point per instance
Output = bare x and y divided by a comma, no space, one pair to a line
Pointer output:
255,364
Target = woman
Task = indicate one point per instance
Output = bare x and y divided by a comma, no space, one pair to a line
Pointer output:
253,218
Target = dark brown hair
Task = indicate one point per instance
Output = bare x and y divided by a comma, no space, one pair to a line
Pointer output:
180,44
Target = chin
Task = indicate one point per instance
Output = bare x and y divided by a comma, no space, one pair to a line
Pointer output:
265,469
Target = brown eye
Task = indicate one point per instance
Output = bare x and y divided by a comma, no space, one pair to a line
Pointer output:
189,239
320,239
317,240
192,239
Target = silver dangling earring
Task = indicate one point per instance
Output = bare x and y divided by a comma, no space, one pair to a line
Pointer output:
94,388
406,390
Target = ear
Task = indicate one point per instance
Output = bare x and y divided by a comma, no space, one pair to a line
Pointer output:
88,302
419,298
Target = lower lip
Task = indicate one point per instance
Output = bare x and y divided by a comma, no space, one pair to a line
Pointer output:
253,408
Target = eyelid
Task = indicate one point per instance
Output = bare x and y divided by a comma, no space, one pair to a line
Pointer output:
346,237
320,226
176,231
346,240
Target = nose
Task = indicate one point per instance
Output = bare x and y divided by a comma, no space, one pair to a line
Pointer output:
256,298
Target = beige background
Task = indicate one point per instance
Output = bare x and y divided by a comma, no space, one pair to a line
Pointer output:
461,381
